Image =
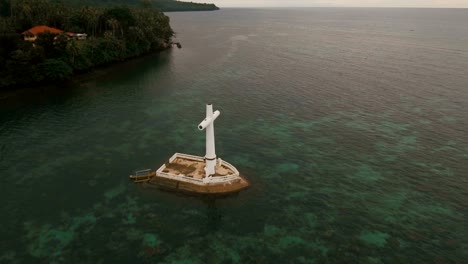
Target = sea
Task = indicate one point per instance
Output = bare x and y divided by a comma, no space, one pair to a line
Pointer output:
351,125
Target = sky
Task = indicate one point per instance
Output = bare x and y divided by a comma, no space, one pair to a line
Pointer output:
339,3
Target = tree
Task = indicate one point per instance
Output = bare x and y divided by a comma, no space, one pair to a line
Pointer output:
114,33
52,70
146,3
47,41
119,18
9,40
5,8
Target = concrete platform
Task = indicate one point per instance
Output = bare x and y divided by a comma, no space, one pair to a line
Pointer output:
194,167
186,173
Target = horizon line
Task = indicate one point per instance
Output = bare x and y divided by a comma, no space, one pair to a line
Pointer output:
409,7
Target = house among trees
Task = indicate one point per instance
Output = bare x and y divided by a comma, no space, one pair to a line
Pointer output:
118,33
31,34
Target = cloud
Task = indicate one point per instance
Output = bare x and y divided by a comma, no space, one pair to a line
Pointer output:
342,3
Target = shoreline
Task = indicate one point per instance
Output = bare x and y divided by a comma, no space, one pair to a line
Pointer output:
78,78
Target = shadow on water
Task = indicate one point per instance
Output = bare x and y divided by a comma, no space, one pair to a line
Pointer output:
214,215
132,73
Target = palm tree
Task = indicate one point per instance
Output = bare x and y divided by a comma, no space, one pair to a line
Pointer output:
113,24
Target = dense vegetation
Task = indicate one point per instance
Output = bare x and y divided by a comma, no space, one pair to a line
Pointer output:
114,33
171,5
163,5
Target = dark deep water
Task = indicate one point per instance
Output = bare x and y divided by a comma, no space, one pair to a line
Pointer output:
351,124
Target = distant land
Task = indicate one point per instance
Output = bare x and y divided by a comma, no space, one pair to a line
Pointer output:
42,46
162,5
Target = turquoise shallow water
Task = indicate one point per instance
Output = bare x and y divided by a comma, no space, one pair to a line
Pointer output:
351,125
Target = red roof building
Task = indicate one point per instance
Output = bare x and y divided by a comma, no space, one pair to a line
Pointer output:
31,34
